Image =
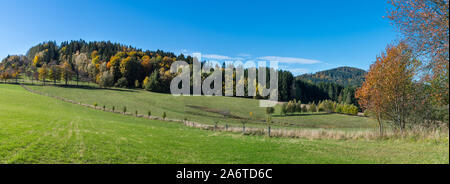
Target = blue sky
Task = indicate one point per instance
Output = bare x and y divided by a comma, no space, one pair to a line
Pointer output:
305,36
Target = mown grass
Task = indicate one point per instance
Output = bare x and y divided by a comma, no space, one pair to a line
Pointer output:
180,107
39,129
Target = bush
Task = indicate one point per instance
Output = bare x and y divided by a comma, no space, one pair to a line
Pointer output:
145,82
137,84
284,109
304,108
270,110
320,107
298,107
339,108
367,113
122,83
351,109
327,106
346,109
107,79
291,107
312,107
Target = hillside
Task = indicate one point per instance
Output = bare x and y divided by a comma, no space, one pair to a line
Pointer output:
346,76
206,110
39,129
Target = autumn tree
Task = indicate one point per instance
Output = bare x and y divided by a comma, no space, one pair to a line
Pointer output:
106,79
54,73
388,85
43,73
5,75
66,72
80,61
130,69
38,60
15,73
425,25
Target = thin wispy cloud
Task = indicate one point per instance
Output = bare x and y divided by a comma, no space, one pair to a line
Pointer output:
290,60
293,70
216,56
298,71
220,57
244,55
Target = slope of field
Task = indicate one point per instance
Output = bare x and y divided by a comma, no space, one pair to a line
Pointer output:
207,110
39,129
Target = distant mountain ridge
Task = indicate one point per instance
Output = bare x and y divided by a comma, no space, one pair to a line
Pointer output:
345,76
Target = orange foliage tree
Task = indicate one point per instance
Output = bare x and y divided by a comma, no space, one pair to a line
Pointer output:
386,91
425,24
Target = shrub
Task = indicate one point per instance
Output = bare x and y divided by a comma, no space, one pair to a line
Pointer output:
107,79
351,109
298,107
304,108
137,84
320,107
124,109
284,109
145,82
312,107
339,108
122,83
346,109
327,106
164,115
290,107
270,110
149,113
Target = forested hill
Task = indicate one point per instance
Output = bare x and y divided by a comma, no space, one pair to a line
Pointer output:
116,65
346,76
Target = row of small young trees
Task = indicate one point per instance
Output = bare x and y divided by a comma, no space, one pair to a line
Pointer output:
329,106
124,110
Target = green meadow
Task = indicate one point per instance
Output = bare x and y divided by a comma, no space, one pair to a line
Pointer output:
203,109
41,129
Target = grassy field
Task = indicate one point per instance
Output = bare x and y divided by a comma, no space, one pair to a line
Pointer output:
203,109
39,129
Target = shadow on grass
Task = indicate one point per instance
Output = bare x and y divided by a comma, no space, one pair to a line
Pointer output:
93,88
71,86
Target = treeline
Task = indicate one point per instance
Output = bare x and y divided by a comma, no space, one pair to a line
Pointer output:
115,65
308,92
329,106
